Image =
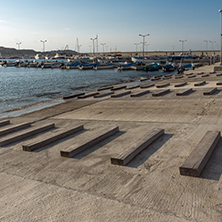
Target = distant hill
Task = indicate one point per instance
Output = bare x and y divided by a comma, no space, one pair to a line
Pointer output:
12,52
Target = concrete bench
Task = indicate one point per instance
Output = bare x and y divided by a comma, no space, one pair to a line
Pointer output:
219,83
88,95
103,94
184,92
162,85
118,88
196,161
147,85
120,94
105,88
161,93
91,140
32,132
128,154
200,83
60,134
210,91
180,84
140,93
4,122
73,96
14,128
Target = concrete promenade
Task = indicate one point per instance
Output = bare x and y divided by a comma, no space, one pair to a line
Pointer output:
42,185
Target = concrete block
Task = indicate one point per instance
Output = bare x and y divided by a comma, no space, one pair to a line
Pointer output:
147,85
219,83
120,94
161,93
105,88
140,93
184,92
118,88
92,140
180,84
129,153
14,128
132,87
88,95
200,83
4,123
73,96
51,138
197,160
100,95
32,132
217,68
162,85
210,91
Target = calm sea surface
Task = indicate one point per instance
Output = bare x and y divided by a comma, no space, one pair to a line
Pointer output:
24,87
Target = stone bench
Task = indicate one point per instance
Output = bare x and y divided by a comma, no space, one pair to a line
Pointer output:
200,83
12,129
4,122
120,94
140,93
210,91
196,161
162,85
103,94
147,85
91,140
184,92
58,135
161,93
129,153
73,96
23,135
180,84
88,95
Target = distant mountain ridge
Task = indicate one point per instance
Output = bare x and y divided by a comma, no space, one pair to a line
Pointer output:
12,52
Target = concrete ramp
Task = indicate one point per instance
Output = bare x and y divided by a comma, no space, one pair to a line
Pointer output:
196,161
129,153
90,141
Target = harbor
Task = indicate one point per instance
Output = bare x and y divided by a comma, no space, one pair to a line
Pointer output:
120,151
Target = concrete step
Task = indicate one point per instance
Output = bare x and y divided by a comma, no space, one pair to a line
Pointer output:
162,85
120,94
140,93
100,95
14,128
105,88
200,83
88,95
33,131
91,139
210,91
73,96
147,85
196,161
184,92
180,84
118,88
129,153
161,93
50,138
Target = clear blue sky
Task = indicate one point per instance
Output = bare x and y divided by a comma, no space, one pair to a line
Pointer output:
116,22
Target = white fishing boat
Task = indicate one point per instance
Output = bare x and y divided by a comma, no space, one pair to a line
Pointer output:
147,60
104,66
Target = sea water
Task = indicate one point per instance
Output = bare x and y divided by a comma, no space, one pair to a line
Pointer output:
36,88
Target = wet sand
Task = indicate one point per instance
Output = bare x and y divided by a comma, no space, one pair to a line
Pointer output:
43,186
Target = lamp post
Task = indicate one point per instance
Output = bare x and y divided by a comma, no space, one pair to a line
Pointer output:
143,41
206,45
221,38
93,39
136,44
103,44
182,43
43,42
90,48
18,43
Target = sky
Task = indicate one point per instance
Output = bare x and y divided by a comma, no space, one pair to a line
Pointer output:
117,23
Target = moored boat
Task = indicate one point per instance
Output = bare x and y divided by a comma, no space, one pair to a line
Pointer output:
168,68
152,67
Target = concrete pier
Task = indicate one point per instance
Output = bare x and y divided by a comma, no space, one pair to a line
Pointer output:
43,186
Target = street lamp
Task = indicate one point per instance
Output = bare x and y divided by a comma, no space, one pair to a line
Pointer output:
221,39
182,43
18,43
206,45
103,44
143,41
93,39
136,44
43,42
